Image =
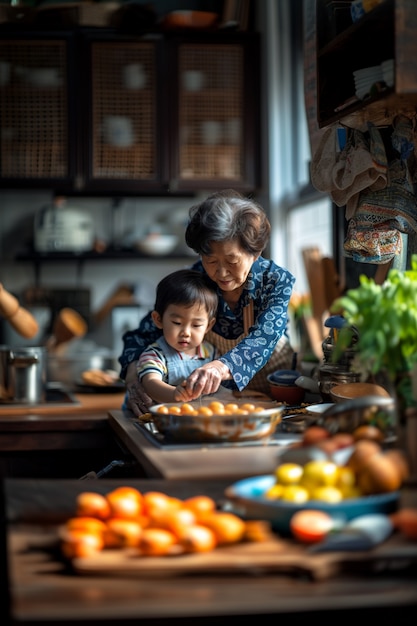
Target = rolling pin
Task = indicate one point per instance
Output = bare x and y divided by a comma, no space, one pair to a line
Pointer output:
22,321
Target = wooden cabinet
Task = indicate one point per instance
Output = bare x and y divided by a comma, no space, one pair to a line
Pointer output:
215,119
36,120
385,32
104,112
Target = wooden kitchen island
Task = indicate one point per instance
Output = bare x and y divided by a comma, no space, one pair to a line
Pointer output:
44,590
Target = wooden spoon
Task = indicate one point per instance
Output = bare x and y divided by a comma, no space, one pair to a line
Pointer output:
19,318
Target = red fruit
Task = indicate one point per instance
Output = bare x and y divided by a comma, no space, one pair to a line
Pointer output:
310,526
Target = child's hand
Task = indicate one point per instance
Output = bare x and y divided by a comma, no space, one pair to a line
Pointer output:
181,394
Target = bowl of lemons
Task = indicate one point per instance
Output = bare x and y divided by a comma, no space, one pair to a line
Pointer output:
309,478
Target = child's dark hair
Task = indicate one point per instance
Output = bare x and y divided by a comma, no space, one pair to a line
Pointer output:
186,287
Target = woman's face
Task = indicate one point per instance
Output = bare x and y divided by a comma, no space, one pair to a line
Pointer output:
228,265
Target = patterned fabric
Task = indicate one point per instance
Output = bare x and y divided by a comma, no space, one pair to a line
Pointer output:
281,357
171,365
270,287
372,245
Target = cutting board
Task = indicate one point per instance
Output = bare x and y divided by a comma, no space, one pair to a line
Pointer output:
272,556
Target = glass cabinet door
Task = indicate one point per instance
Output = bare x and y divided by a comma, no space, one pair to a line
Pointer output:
214,121
123,144
34,115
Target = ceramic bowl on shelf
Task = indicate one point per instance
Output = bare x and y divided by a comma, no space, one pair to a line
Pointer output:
157,245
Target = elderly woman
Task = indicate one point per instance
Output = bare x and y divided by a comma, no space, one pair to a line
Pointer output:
229,232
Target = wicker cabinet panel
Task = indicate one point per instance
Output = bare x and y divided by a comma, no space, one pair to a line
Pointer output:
124,111
111,113
211,114
34,110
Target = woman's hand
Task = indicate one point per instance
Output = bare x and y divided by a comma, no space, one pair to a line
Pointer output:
206,379
137,399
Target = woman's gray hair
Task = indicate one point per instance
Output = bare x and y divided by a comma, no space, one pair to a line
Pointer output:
228,216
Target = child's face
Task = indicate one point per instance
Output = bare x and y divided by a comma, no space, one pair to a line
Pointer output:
184,327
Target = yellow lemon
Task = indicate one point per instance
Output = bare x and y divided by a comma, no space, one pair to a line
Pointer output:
351,492
333,495
294,493
288,473
274,492
345,477
319,473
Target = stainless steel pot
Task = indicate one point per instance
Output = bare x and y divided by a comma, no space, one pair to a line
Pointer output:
219,428
22,375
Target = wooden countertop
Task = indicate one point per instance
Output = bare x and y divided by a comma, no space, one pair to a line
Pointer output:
56,427
231,462
85,403
43,591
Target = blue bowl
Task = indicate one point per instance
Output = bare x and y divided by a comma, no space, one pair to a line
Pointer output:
284,377
247,500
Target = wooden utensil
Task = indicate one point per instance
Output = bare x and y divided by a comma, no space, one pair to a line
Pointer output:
68,324
19,318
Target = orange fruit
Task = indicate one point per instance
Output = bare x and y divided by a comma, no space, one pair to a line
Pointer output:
81,544
126,502
175,520
156,503
258,530
89,503
249,407
217,407
198,538
205,411
122,533
200,505
188,409
85,524
227,527
156,541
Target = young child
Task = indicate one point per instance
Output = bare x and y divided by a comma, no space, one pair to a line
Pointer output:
185,310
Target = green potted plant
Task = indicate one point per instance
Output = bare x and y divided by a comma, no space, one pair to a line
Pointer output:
385,318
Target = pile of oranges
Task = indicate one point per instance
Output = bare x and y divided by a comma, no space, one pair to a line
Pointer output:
215,407
153,524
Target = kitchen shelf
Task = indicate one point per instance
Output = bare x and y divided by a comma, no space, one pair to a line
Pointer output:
386,32
37,259
109,254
